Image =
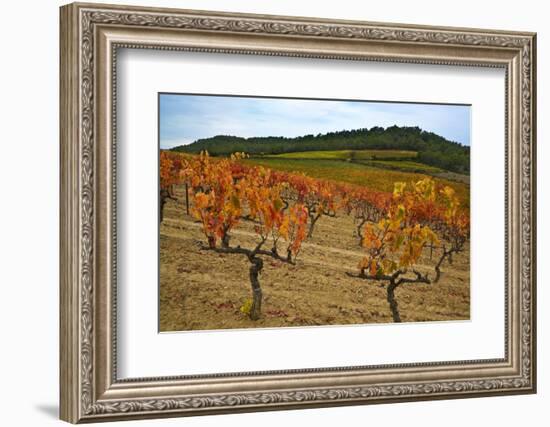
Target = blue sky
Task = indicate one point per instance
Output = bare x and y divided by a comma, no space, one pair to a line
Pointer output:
186,118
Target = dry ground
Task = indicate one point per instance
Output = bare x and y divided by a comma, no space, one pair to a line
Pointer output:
200,289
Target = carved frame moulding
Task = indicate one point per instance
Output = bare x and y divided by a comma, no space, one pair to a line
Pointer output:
91,35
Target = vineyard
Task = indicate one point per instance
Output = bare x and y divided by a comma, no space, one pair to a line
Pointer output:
245,245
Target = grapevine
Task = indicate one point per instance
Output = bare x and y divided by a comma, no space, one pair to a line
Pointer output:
392,228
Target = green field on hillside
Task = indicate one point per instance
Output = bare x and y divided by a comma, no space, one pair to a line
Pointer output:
347,155
400,160
403,165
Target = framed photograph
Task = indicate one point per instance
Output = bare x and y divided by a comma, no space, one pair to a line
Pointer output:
267,212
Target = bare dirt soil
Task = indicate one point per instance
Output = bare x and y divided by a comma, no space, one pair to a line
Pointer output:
201,289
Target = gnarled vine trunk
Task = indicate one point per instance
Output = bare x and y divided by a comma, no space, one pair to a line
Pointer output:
394,307
162,203
314,219
394,280
255,269
256,266
165,194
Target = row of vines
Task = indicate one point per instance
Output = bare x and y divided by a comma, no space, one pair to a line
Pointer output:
393,229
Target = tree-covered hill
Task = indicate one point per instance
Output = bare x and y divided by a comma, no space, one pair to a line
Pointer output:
432,149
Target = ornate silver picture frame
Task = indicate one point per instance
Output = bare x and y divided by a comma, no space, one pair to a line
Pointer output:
91,36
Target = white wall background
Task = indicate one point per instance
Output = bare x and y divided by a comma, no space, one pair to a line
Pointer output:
29,171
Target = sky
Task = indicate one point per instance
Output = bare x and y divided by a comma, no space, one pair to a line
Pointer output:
186,118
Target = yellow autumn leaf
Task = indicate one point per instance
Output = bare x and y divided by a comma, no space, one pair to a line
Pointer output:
398,188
